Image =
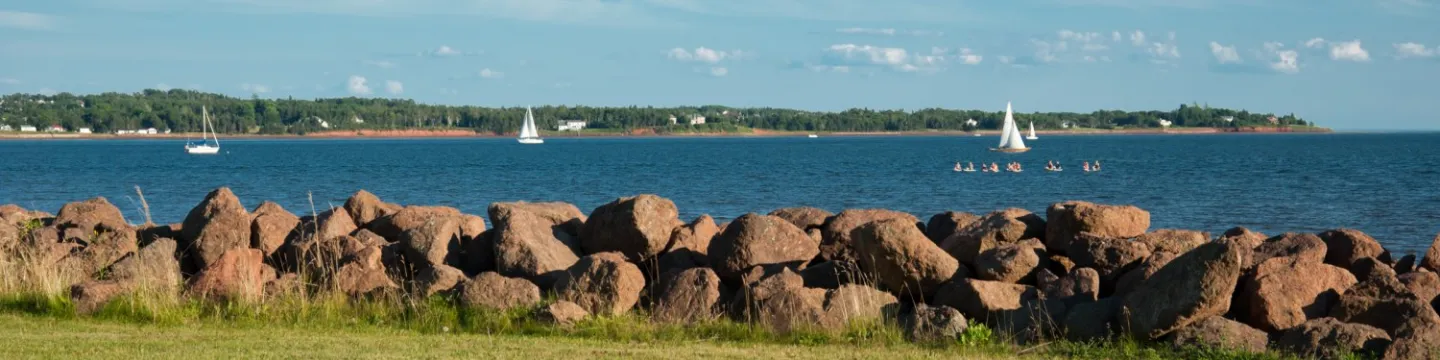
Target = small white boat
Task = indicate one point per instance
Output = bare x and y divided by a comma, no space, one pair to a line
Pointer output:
1032,132
204,148
528,133
1010,139
812,136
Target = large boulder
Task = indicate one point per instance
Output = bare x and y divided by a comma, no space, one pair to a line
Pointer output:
1174,241
689,296
638,227
90,214
1328,338
1111,257
984,300
836,234
1432,256
1415,341
1012,263
1284,292
153,268
99,249
435,279
364,273
999,227
1081,282
1196,285
534,240
426,234
1243,237
906,262
942,225
1302,247
1424,285
237,275
328,224
562,313
933,323
1065,221
1147,268
272,227
695,236
364,207
215,226
491,290
1217,332
854,303
1344,247
1092,321
754,239
601,283
803,217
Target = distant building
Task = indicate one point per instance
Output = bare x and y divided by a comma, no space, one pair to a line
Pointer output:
1165,123
673,120
149,131
971,123
83,130
571,125
6,128
1228,118
55,128
1067,124
697,120
27,128
124,132
1273,120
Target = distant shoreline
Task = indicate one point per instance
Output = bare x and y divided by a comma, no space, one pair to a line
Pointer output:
638,133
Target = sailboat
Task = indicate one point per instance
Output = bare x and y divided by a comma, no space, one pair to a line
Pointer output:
204,148
1010,139
528,134
1032,132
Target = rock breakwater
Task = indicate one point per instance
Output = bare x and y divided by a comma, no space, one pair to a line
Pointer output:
1082,271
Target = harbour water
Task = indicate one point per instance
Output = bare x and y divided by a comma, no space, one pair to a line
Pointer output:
1387,185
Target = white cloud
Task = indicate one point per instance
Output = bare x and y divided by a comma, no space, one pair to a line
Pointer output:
1224,54
48,91
701,54
967,57
26,20
445,50
163,87
1415,50
1315,43
491,74
380,64
9,81
1137,38
898,59
829,68
1273,46
1287,61
1089,41
887,31
356,85
1005,59
1115,36
719,71
255,88
1349,51
394,87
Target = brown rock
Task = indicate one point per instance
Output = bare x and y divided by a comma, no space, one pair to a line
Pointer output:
1220,333
638,227
689,296
758,286
238,274
803,217
1010,263
1194,286
601,283
695,236
905,261
531,240
1067,220
151,269
793,309
437,279
1415,340
394,226
1082,282
364,273
364,207
837,231
856,303
832,274
1302,247
942,225
1385,313
680,260
1091,321
272,227
215,226
287,283
1174,241
1329,338
564,216
1152,264
1284,292
1432,256
1343,247
755,239
429,243
1244,237
92,296
1110,257
1424,285
100,250
563,313
492,291
92,214
933,323
1000,227
983,300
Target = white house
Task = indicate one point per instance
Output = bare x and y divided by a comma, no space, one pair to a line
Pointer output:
6,128
697,119
1227,118
83,130
150,131
55,128
27,128
1165,123
971,123
571,125
673,120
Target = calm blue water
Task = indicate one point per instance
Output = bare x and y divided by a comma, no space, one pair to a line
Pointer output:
1386,185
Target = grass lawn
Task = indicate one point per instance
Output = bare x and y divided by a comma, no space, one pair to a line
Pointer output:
28,337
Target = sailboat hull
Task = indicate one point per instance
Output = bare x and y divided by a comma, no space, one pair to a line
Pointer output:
202,150
531,141
1012,151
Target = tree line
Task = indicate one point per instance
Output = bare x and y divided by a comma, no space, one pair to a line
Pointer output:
180,111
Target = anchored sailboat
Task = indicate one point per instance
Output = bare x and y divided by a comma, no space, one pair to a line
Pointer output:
528,133
204,148
1010,139
1032,132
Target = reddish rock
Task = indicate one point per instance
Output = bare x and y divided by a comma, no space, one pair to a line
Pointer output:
903,259
1306,248
1081,282
695,236
1415,340
1000,227
95,213
1110,257
152,268
100,250
933,323
437,279
837,231
1424,285
215,226
1092,321
983,300
689,296
1432,256
1244,237
238,274
492,291
364,273
1343,247
1067,220
272,227
1174,241
1133,278
803,217
92,296
1284,292
793,309
562,313
638,227
1329,339
1010,263
330,224
855,304
364,207
1194,286
601,283
754,239
942,225
1220,333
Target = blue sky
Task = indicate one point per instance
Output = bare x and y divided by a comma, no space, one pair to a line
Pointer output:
1349,64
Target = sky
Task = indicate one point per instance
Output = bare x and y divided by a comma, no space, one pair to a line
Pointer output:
1346,64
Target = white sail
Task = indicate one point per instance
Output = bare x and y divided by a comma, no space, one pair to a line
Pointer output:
1006,126
528,133
1032,131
